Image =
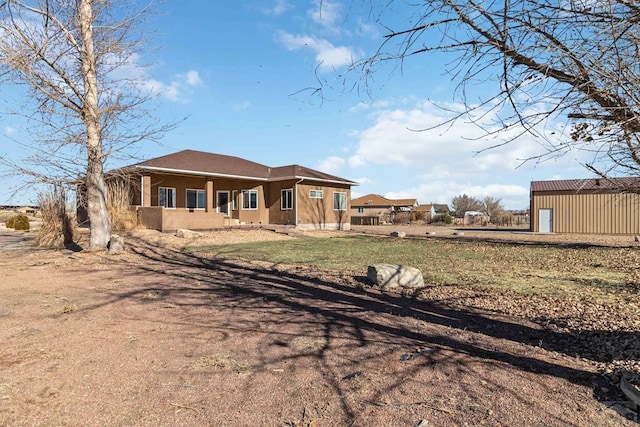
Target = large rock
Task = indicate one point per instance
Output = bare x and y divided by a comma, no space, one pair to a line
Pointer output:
388,276
116,245
187,234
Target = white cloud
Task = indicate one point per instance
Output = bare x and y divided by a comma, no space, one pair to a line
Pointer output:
328,56
326,13
331,165
175,89
280,7
8,130
393,139
192,78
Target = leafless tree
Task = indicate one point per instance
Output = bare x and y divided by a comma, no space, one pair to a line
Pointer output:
73,57
463,203
574,60
492,207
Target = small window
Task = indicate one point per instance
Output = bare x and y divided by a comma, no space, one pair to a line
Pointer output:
286,199
250,199
167,197
339,201
315,194
234,200
195,199
360,210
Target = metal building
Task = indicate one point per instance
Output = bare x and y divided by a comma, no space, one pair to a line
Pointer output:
586,206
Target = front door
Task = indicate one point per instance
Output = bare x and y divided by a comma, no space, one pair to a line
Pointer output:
222,202
545,220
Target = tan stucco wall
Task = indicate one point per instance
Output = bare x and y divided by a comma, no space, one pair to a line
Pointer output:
319,213
312,213
162,219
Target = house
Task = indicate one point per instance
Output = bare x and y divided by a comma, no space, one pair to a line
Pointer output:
598,206
199,190
385,210
432,210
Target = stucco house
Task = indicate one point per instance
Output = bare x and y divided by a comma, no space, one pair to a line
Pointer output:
596,205
431,210
199,190
386,210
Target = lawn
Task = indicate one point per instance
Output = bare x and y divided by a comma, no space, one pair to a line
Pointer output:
601,274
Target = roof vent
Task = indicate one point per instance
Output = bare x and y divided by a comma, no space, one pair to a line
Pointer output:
597,182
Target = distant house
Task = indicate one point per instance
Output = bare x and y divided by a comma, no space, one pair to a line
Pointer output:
432,210
385,210
199,190
599,206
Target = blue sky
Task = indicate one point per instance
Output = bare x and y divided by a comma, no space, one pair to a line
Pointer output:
239,71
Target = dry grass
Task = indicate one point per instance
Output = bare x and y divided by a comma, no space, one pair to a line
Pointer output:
119,200
58,219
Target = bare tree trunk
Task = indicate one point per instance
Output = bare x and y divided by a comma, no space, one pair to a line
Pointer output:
96,187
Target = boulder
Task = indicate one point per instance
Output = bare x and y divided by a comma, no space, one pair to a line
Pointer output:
400,234
187,234
388,276
116,245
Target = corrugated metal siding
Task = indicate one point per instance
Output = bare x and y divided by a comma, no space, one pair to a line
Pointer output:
612,213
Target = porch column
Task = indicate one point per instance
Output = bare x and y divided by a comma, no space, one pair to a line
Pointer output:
209,196
145,198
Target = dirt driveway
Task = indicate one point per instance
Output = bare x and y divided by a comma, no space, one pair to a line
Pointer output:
157,337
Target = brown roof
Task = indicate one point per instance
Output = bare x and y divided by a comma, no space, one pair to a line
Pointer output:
591,184
193,162
377,200
436,207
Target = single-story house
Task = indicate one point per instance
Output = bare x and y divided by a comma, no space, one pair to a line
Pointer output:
432,210
199,190
386,210
589,206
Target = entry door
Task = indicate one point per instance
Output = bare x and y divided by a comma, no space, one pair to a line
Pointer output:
222,202
545,220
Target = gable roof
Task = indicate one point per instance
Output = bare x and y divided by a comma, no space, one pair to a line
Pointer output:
591,184
436,207
192,162
377,200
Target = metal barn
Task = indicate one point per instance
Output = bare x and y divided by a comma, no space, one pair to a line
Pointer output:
586,206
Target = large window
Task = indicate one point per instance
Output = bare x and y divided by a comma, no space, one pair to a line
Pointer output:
339,201
286,199
195,199
315,194
167,197
250,199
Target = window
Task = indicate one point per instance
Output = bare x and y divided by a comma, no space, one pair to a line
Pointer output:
234,200
360,210
286,199
195,199
339,201
315,194
249,199
167,197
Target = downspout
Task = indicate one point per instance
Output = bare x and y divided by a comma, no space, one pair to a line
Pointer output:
295,186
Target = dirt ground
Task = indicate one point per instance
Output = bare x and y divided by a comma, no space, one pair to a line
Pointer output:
163,337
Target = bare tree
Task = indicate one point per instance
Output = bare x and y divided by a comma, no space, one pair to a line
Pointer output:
72,57
577,60
493,207
463,203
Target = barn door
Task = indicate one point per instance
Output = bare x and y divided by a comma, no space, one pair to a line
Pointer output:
545,220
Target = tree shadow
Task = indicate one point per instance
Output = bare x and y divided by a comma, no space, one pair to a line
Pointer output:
346,317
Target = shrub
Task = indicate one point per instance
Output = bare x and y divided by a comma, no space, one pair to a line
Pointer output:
18,222
445,218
